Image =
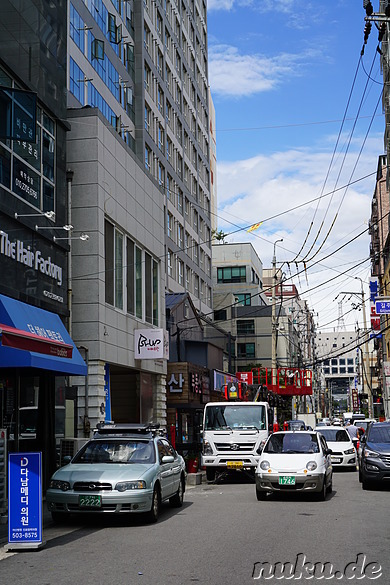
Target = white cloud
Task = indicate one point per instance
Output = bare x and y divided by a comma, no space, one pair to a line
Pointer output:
258,188
238,75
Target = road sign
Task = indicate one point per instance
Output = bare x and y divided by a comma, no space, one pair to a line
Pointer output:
382,306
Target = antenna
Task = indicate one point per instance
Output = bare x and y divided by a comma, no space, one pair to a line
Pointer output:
340,320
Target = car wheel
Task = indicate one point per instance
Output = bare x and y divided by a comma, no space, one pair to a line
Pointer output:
210,473
322,494
260,495
330,487
360,476
155,509
177,500
366,485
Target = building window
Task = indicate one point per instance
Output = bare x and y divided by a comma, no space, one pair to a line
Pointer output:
180,272
113,266
220,315
246,327
148,159
350,370
231,274
246,350
169,224
334,362
76,81
76,28
243,299
342,370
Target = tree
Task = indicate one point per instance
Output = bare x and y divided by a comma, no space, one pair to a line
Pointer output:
219,236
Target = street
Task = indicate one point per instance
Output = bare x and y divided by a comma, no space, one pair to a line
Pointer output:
216,538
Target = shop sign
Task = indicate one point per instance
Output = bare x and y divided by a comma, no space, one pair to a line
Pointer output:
246,377
149,344
175,383
355,399
24,500
195,384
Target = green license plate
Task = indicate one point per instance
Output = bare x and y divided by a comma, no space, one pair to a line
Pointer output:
90,501
287,480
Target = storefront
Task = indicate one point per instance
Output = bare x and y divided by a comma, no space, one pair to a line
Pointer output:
188,389
36,357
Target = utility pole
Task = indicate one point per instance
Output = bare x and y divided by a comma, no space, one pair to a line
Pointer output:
273,322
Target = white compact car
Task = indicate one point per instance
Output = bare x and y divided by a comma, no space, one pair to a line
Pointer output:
343,451
294,461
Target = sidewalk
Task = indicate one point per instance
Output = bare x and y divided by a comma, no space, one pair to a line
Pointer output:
46,521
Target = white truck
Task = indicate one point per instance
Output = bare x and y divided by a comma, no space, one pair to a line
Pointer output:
232,435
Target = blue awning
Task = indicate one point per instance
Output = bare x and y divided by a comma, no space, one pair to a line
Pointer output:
34,338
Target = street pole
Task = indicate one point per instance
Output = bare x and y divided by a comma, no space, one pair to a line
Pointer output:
365,356
273,321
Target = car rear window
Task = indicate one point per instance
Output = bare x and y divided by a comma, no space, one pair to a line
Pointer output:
335,435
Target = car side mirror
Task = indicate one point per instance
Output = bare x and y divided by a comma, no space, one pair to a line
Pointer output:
259,450
67,459
168,459
328,451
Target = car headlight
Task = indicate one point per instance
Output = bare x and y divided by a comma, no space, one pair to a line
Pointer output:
207,448
369,453
349,451
264,465
124,486
311,465
57,484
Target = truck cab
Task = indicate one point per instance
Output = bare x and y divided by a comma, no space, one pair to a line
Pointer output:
232,435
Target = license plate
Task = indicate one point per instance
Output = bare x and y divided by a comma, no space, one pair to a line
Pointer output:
287,480
336,460
90,501
235,464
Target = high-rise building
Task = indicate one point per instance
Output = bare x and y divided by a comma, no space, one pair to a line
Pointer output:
144,66
139,181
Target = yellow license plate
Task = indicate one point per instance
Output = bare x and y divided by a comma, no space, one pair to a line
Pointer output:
235,464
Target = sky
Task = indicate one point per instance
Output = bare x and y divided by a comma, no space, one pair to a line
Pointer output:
299,129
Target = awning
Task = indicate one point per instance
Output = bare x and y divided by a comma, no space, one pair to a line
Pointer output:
33,338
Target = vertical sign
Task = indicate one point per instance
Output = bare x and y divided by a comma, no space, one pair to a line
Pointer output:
107,393
24,500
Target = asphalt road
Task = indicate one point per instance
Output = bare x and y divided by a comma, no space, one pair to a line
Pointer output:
221,536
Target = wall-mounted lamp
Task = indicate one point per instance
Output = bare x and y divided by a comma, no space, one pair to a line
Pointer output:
48,214
83,237
66,227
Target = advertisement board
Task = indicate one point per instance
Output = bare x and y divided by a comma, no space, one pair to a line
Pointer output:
24,500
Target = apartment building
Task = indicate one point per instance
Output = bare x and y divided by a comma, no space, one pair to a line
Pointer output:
139,162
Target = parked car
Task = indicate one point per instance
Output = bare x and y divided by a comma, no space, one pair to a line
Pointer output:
343,451
375,455
294,461
123,469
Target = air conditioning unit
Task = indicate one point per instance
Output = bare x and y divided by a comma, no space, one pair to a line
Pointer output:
70,446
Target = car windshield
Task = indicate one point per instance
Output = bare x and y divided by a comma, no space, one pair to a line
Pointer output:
292,443
379,434
114,451
234,416
335,435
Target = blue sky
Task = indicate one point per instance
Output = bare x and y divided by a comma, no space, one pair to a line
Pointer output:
281,74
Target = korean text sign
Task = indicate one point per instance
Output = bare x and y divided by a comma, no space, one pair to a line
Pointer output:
25,498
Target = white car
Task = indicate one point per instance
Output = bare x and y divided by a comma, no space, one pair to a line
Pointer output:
343,451
294,461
